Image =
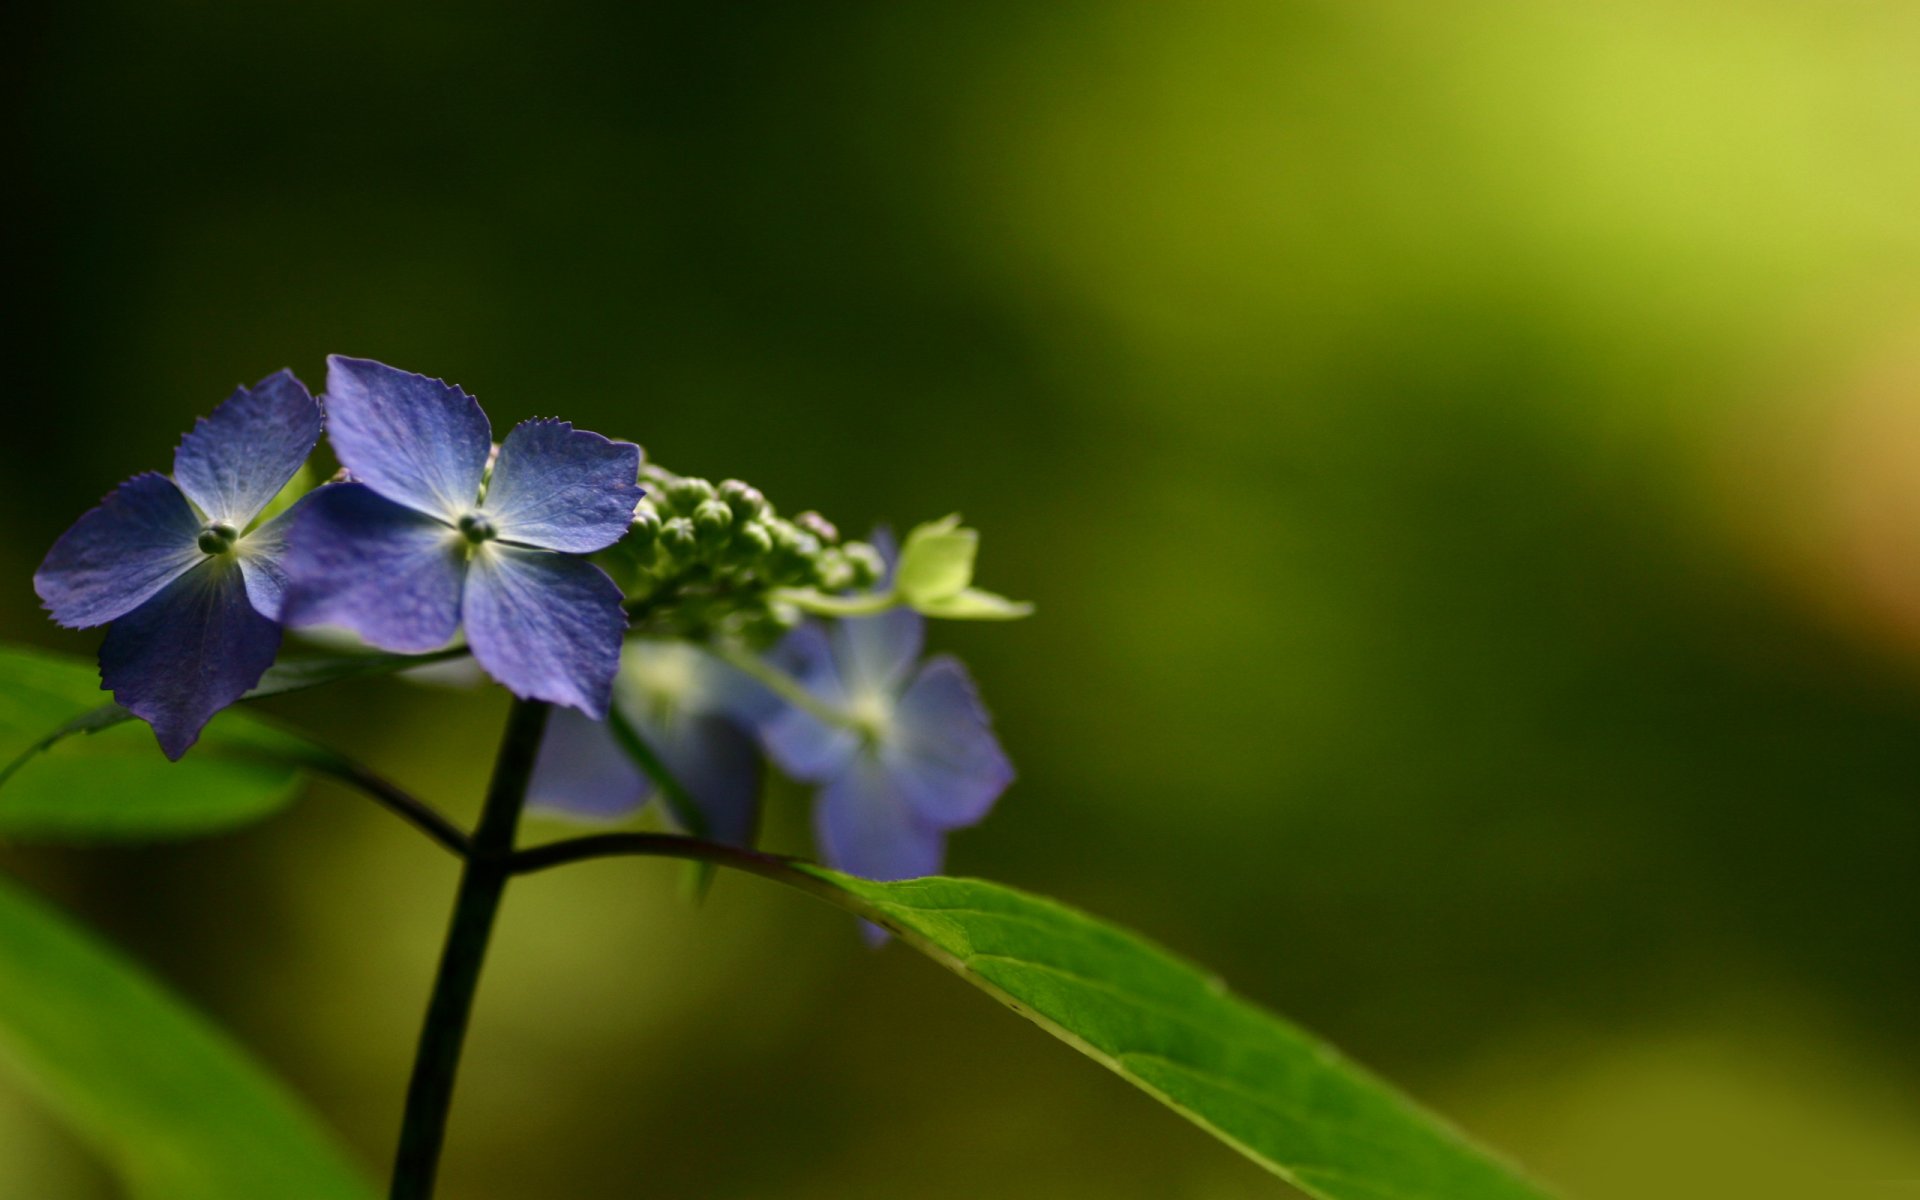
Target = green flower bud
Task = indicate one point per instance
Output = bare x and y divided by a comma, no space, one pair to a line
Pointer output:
645,528
744,499
832,572
685,495
817,525
752,541
711,520
865,562
677,537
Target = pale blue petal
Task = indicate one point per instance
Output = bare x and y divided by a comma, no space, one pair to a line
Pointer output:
417,441
940,749
718,763
359,561
119,555
582,771
875,653
801,744
546,625
562,488
237,459
865,828
188,653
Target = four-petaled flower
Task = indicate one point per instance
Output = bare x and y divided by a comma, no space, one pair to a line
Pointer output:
914,757
423,539
192,587
695,712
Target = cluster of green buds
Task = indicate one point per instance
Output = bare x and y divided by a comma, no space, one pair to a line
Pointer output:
705,558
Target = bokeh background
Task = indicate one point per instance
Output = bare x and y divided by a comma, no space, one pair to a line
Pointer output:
1467,459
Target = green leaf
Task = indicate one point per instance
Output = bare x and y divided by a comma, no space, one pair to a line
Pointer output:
176,1108
936,562
79,770
972,604
1271,1091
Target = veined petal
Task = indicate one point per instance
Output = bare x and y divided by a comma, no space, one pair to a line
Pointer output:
940,749
260,553
804,746
582,771
875,653
119,555
390,574
546,625
866,829
235,460
417,441
188,653
562,488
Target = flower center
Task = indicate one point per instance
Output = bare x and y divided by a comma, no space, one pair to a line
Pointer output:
218,538
477,528
871,714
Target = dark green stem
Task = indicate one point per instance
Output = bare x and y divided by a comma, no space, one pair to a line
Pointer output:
482,880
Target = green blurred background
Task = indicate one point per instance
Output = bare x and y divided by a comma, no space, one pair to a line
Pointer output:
1467,459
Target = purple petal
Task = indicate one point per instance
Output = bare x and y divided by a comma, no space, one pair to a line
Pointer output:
188,653
582,771
561,488
804,746
388,573
546,625
865,828
417,441
718,764
119,555
235,460
940,748
875,653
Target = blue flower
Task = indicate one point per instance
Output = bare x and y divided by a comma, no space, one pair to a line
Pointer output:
424,540
192,588
694,711
914,759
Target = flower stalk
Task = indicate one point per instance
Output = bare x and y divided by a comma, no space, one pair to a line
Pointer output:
482,881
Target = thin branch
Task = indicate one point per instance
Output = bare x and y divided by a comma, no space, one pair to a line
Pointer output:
396,800
653,845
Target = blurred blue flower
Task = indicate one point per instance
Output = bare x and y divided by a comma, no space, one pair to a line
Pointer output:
194,592
696,713
423,539
914,758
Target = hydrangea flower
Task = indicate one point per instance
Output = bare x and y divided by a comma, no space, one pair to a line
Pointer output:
423,540
916,760
192,587
694,711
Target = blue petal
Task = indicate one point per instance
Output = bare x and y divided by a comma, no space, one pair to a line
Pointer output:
546,625
117,556
560,488
378,568
940,748
582,771
865,828
690,679
804,746
718,763
875,653
235,460
417,441
261,553
188,653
